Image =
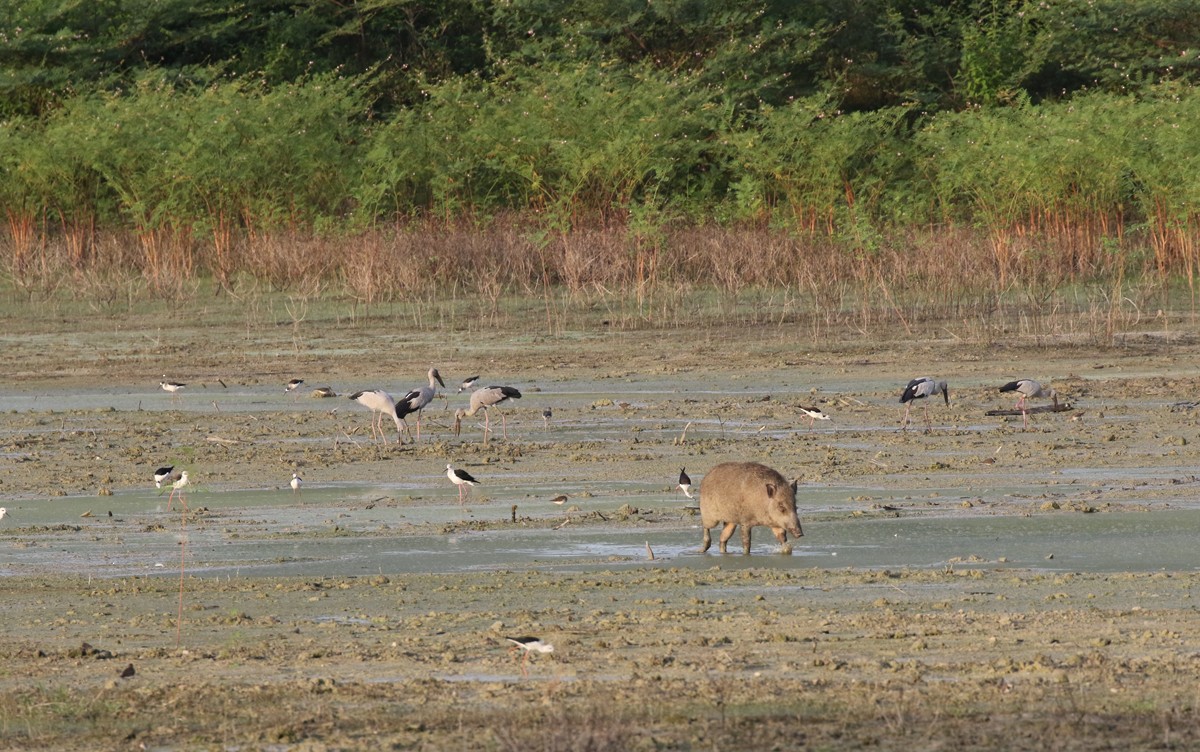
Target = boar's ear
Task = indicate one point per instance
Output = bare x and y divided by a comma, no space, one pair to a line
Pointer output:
795,481
770,490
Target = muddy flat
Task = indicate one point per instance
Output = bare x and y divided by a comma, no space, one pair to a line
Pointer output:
966,581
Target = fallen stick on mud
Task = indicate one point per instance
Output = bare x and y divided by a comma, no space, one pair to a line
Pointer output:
219,440
683,436
1033,410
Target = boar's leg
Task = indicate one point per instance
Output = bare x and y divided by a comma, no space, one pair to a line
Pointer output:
727,533
746,539
781,536
707,541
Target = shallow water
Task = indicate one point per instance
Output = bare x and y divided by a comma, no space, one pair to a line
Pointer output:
355,530
415,525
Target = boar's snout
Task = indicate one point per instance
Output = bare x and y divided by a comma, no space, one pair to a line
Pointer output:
786,517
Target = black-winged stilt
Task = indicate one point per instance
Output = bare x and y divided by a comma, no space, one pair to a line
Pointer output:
483,399
1029,389
529,645
177,488
813,413
380,403
460,478
416,400
173,387
164,474
3,512
920,388
547,414
296,482
467,383
685,483
292,386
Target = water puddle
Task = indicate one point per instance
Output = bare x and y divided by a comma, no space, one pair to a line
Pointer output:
357,530
415,525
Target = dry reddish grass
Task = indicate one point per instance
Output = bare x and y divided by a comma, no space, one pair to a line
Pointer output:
759,274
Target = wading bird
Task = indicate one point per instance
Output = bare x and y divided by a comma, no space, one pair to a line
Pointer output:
1029,389
416,400
379,401
685,483
547,414
171,386
460,478
164,474
177,488
483,399
920,388
467,383
3,513
813,413
529,645
292,386
296,482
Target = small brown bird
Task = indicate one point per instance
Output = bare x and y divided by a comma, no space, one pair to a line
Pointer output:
560,499
128,672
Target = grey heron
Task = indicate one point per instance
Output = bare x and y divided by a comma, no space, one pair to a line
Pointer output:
1029,389
920,388
460,478
416,400
379,401
483,399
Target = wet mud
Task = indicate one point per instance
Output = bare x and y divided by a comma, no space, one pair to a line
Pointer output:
370,610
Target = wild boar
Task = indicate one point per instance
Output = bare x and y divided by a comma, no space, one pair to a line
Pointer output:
747,494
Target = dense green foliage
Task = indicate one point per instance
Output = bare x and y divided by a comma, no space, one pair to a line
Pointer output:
199,125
